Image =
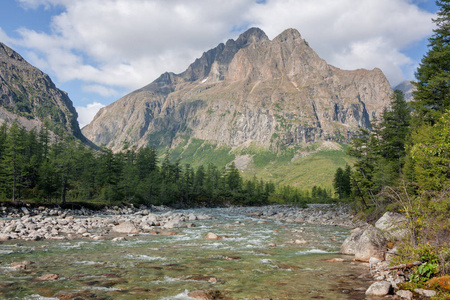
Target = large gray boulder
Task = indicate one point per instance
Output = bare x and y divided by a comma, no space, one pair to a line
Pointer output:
125,227
393,225
379,288
365,243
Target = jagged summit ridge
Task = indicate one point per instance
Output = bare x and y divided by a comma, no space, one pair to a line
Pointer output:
274,93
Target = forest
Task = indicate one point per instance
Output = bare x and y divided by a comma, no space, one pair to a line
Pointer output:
45,168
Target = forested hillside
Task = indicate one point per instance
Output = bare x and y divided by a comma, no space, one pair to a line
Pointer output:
39,168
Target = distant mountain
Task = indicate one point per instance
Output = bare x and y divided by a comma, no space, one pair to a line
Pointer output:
274,94
30,97
407,88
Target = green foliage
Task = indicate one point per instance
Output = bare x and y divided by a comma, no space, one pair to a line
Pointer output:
432,96
342,182
380,154
32,167
429,157
424,272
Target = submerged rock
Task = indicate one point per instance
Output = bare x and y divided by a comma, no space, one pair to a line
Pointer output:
47,277
205,294
21,265
212,236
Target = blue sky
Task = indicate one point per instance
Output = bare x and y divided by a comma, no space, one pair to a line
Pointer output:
100,50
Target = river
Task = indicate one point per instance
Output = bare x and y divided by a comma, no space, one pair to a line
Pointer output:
255,259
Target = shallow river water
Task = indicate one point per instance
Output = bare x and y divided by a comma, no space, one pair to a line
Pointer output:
254,260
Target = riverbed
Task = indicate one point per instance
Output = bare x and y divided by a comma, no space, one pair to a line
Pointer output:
253,258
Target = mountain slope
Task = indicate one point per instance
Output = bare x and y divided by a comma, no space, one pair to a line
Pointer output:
30,97
273,93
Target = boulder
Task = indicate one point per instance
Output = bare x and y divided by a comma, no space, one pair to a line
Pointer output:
4,237
404,294
21,265
212,236
393,225
47,277
125,227
204,294
365,243
426,293
379,288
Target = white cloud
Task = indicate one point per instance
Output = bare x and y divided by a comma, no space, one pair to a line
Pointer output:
128,43
87,113
351,33
99,89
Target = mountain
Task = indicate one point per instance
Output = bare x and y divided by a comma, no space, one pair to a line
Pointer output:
30,97
407,88
252,91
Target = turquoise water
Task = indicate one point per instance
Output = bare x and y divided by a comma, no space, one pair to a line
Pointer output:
254,260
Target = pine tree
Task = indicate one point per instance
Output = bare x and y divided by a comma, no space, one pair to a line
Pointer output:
14,158
432,97
395,128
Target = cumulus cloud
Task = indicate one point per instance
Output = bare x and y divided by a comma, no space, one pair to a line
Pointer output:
100,89
128,43
87,113
351,33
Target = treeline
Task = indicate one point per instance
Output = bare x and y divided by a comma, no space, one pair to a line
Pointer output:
47,168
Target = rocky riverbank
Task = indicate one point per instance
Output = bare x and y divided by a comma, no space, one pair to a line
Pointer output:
109,223
55,223
315,214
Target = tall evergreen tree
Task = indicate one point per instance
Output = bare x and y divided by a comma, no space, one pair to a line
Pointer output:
395,128
432,96
14,158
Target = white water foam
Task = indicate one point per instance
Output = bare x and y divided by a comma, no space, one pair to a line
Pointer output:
145,257
313,251
181,296
39,297
166,279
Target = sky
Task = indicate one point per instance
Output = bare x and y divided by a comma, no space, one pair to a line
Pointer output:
100,50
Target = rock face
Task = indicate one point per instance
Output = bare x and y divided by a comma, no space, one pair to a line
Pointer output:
251,90
407,88
393,225
365,243
30,97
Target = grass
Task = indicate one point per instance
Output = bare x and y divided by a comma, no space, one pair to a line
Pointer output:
316,168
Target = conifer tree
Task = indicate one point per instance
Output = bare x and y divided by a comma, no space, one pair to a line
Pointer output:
432,97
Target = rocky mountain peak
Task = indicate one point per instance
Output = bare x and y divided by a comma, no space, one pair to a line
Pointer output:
251,36
288,34
251,91
6,52
29,96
